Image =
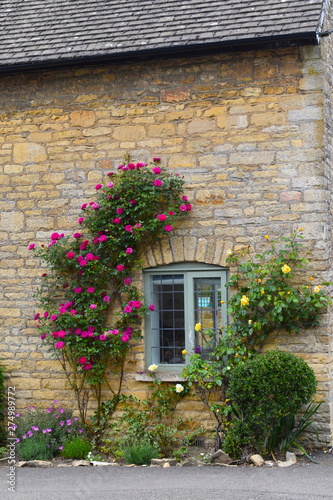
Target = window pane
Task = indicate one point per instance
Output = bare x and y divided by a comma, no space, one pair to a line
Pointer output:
168,319
207,310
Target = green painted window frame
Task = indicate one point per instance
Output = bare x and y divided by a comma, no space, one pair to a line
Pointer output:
190,271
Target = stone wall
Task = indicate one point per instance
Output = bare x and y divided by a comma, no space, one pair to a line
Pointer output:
245,130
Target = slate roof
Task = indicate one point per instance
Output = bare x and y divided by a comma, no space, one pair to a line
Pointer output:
37,32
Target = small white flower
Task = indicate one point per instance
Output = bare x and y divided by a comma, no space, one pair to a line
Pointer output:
179,388
230,252
152,368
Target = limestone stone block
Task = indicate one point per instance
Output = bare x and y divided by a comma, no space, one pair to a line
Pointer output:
83,118
129,132
29,152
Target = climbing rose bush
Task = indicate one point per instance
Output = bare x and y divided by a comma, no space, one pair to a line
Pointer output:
91,309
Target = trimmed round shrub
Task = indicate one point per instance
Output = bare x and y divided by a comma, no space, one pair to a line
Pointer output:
263,390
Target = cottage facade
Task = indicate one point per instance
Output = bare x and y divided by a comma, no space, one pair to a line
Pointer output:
236,97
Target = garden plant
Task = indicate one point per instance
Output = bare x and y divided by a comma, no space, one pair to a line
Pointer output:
269,295
90,307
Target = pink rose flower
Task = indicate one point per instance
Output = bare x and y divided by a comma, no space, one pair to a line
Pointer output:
157,170
84,244
43,336
158,182
188,207
54,317
45,314
91,289
87,366
61,334
151,307
31,246
106,298
119,210
138,225
55,236
131,166
73,312
127,281
110,184
120,267
171,213
117,220
182,208
36,316
77,235
95,206
184,198
115,332
128,309
82,360
70,255
125,337
140,165
98,186
103,238
78,289
83,262
60,344
128,228
156,160
161,217
83,206
93,306
129,250
102,337
132,202
137,304
80,220
89,256
167,228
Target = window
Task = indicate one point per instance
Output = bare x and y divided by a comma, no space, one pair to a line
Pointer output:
183,295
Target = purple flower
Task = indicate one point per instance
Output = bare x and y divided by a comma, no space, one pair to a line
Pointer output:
197,349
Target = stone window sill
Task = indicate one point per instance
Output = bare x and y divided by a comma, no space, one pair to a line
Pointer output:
163,376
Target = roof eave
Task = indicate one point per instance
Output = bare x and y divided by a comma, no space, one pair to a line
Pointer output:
268,42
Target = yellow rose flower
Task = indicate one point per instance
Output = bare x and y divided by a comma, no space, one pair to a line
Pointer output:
184,351
197,327
316,289
259,280
244,300
266,236
285,269
311,278
262,291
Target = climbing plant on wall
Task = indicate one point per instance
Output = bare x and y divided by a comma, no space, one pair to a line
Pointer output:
90,307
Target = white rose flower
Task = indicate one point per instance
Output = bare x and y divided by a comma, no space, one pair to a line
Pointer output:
179,388
152,368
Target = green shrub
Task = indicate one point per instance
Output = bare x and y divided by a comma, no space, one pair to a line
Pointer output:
38,448
140,454
262,391
53,427
77,448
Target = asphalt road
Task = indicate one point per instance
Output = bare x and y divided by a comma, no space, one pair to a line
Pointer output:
306,482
